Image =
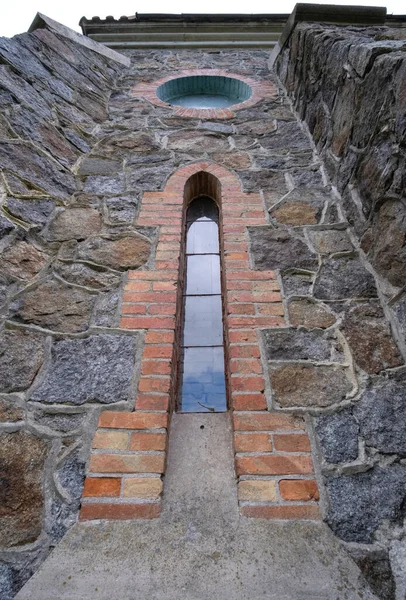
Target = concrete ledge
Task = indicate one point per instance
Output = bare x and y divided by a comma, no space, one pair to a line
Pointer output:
330,14
43,22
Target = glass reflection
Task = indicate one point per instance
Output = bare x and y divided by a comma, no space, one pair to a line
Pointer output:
202,378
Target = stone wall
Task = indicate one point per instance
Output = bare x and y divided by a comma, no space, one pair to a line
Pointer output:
349,86
77,161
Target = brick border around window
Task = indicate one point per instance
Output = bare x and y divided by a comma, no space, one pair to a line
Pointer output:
272,448
260,90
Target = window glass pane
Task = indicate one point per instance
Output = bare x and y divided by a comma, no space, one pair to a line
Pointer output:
203,324
202,238
203,274
202,380
202,209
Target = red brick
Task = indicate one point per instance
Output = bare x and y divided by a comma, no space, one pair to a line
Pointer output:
102,486
245,365
241,336
138,286
283,512
149,297
156,367
164,286
147,441
167,264
295,442
132,420
127,463
147,322
247,384
90,512
274,465
154,384
252,275
152,402
244,352
252,442
110,440
153,275
133,309
248,401
239,285
266,286
162,309
266,421
275,309
299,489
240,309
236,296
159,337
157,351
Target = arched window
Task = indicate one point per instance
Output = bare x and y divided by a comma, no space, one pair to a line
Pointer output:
202,386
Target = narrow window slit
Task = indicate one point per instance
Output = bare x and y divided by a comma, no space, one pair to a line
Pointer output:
202,377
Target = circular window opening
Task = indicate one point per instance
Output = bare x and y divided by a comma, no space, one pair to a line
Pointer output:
204,91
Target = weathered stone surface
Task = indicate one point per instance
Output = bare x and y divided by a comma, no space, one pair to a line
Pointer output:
370,339
22,457
98,368
298,384
22,260
359,503
257,127
98,166
21,355
56,306
297,284
337,435
6,226
399,309
74,223
117,145
6,581
381,413
106,312
98,184
10,411
149,178
81,274
122,209
61,422
376,568
233,160
276,190
273,249
309,314
121,253
344,277
31,211
300,344
37,169
288,137
71,475
385,243
330,242
301,207
188,141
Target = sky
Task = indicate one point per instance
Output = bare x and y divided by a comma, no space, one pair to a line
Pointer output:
17,15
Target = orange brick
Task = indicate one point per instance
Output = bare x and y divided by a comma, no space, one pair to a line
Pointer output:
239,285
127,463
149,297
113,440
244,352
284,512
252,275
154,384
147,322
292,442
257,490
157,351
299,489
248,401
156,367
241,336
274,465
164,286
265,286
245,365
133,420
252,442
90,512
138,286
247,384
102,486
152,402
241,309
162,309
147,441
142,487
133,309
275,309
159,337
266,421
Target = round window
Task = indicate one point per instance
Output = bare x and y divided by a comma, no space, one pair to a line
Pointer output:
204,91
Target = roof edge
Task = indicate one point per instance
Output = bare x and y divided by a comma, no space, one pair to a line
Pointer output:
41,21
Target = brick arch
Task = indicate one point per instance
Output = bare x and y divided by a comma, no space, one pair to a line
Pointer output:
273,461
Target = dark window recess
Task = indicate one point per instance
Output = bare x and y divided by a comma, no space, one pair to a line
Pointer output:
202,378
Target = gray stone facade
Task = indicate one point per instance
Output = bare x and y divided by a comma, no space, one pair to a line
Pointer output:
78,151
